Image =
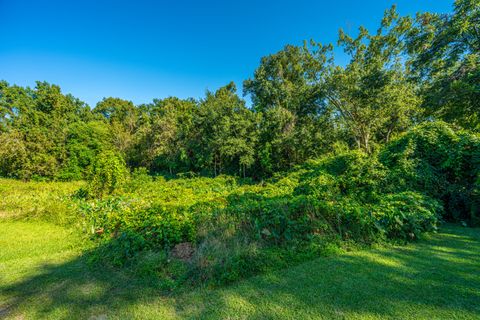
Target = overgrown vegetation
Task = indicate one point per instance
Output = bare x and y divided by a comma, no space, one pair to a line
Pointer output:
211,191
217,230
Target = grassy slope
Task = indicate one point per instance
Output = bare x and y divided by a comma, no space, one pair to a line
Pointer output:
43,275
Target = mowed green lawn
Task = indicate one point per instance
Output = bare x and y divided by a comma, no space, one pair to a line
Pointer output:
43,275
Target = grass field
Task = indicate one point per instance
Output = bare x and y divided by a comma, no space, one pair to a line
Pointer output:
45,275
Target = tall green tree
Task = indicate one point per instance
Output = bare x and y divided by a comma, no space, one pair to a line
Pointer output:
288,88
163,141
122,116
291,79
227,135
85,140
372,95
445,56
34,129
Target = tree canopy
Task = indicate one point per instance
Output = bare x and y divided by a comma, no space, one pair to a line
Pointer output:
304,105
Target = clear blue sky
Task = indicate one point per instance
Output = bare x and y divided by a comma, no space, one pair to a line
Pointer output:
140,50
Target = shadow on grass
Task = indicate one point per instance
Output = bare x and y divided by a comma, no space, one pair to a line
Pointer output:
436,278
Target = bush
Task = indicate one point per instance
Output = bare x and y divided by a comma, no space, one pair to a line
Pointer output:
109,174
407,215
435,160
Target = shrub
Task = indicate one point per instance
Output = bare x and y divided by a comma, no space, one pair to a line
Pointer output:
475,207
407,215
434,159
109,174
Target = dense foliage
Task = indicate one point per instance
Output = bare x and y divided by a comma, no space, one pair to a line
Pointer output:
441,163
219,229
445,58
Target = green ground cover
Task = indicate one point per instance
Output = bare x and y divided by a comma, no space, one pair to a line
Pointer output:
44,275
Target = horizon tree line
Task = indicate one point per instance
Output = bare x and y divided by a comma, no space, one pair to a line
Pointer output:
304,105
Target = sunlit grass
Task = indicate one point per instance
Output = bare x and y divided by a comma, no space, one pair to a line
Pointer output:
45,275
47,200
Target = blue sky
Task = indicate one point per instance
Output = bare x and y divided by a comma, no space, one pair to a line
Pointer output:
140,50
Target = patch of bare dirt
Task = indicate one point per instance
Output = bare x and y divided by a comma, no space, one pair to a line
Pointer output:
183,251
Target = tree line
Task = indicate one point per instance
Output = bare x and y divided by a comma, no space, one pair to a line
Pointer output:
304,105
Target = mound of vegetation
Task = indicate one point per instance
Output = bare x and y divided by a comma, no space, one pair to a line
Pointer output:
220,229
441,163
217,230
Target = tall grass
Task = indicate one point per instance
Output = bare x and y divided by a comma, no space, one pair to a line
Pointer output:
49,201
